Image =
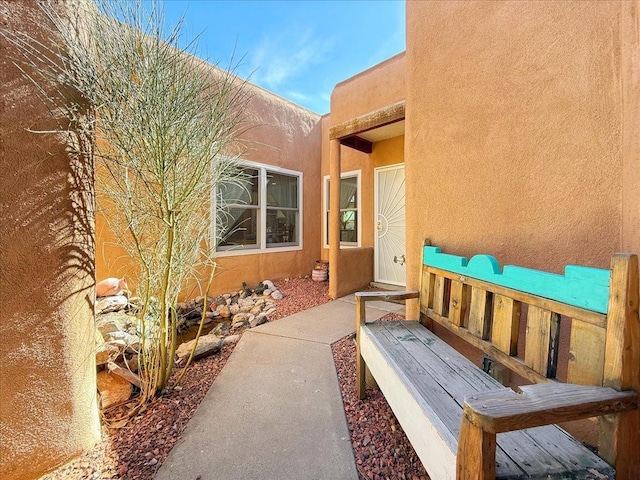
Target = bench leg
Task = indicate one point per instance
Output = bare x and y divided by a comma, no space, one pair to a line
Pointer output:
361,374
476,458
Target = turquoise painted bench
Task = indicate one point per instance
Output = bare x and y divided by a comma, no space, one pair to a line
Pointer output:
464,424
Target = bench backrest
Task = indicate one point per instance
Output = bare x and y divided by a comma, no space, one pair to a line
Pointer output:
487,306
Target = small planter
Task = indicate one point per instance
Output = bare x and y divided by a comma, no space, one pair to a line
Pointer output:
319,275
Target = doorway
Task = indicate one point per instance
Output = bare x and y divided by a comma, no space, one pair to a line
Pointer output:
389,224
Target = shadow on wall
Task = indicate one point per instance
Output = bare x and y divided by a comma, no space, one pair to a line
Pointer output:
47,275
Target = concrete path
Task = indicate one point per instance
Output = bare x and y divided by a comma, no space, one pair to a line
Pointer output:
275,411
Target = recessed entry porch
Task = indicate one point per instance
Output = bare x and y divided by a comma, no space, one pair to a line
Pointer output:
379,254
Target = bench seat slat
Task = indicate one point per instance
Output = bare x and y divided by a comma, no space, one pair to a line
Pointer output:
437,377
558,451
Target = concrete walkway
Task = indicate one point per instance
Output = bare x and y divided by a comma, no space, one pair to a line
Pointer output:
275,411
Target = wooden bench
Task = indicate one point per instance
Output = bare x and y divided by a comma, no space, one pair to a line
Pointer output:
464,424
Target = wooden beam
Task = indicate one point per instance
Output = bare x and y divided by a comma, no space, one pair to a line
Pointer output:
357,143
378,118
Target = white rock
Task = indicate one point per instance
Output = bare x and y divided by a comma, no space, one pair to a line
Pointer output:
277,295
111,304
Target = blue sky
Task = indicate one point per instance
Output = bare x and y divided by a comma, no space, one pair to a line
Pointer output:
297,49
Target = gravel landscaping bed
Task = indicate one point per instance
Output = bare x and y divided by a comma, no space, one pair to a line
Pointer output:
381,448
136,451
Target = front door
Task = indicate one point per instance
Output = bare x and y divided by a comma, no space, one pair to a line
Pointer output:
389,257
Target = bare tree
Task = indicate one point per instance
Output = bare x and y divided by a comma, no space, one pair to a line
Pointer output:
163,127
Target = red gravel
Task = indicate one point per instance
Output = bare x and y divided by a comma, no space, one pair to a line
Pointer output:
380,446
136,451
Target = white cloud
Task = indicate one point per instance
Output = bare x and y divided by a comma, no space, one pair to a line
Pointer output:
284,55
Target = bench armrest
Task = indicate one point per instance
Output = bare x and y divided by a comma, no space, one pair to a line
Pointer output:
488,413
543,404
363,297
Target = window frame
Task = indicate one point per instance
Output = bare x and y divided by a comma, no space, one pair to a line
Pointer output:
263,208
357,174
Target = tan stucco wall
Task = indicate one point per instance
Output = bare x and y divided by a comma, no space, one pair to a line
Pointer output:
280,134
377,87
48,407
522,118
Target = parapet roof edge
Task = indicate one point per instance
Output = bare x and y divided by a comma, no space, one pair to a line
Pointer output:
373,67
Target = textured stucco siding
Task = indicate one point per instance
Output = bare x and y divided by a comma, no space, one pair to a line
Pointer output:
48,406
520,127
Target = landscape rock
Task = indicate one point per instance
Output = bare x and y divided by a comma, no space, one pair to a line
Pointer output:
242,319
115,322
258,320
221,329
111,286
112,303
207,345
230,339
106,353
117,328
113,389
124,339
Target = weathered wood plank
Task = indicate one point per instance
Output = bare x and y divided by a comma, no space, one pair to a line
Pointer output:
476,453
514,364
440,304
586,354
620,435
427,284
506,322
387,296
458,376
480,313
444,402
583,287
543,404
542,339
567,452
457,303
378,118
594,318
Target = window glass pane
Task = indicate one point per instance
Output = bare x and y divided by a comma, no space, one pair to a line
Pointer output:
282,190
349,226
244,192
238,226
282,226
328,199
349,192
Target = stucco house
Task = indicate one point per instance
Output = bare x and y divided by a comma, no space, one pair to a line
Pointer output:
510,128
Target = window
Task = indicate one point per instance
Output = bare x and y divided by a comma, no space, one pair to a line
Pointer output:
349,208
262,211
